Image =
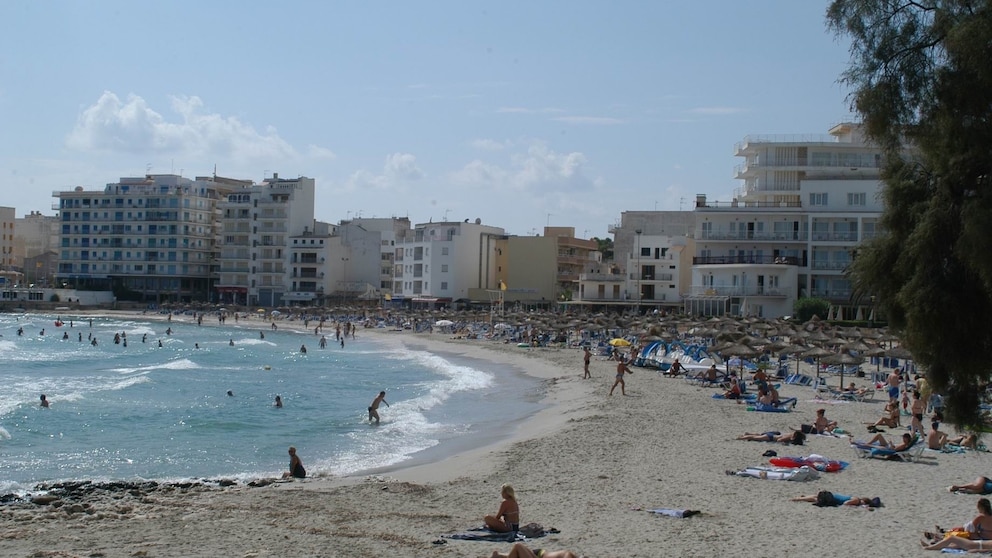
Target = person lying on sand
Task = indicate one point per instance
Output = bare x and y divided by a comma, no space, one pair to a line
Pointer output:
961,543
518,550
981,485
828,499
795,437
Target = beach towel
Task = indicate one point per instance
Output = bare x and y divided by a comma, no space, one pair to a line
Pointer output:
484,534
800,474
675,513
528,531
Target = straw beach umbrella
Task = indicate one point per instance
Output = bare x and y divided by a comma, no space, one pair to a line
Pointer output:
843,359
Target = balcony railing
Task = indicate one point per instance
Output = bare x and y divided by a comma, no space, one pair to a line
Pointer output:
759,260
832,294
835,236
795,236
750,290
611,277
829,265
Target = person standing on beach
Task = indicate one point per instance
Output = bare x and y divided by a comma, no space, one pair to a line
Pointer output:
296,470
621,370
586,359
374,406
894,379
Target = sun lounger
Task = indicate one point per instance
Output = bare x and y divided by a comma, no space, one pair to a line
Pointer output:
910,454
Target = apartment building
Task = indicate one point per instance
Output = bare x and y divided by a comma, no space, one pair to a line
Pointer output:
651,265
791,229
148,238
9,270
257,224
437,263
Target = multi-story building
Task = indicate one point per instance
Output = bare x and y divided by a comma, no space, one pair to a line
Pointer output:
651,264
526,270
9,273
148,238
257,225
792,228
574,255
370,260
441,262
35,243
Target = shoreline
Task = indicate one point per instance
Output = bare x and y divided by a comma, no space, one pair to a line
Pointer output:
588,464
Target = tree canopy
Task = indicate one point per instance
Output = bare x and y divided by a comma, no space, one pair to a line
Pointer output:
921,79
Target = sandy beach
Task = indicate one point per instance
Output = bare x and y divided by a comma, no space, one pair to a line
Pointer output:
589,465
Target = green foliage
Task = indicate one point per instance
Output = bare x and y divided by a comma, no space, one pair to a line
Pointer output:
921,75
807,307
605,247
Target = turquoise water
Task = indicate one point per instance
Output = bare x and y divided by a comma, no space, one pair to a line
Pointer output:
149,412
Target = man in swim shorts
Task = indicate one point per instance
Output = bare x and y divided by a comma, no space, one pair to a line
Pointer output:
894,379
374,407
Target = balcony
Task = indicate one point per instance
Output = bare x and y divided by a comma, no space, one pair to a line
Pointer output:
829,265
750,290
832,294
603,277
791,236
835,236
755,260
737,205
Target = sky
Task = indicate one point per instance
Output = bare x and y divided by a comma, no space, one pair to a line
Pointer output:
520,113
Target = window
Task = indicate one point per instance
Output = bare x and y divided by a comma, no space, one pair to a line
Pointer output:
444,250
854,198
444,268
444,285
818,199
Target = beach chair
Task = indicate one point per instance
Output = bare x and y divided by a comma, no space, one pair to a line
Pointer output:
911,454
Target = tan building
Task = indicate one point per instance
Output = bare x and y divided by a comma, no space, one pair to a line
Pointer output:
574,256
527,266
9,273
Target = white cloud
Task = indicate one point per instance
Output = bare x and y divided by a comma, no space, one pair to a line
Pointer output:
318,152
537,172
132,126
399,170
588,120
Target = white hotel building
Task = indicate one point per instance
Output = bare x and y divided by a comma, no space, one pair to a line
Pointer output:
791,229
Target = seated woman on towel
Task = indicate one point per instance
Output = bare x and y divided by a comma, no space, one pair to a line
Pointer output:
795,437
977,530
889,419
518,550
734,392
821,425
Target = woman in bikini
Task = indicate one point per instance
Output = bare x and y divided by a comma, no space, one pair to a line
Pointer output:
974,535
507,519
621,370
520,551
795,437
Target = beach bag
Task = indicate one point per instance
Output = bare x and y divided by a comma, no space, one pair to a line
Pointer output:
531,530
807,429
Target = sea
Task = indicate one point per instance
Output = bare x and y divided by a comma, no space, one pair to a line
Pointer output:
141,411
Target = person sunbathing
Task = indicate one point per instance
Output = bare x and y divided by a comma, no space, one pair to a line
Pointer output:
889,419
978,529
795,437
821,424
824,498
880,442
960,543
518,550
981,485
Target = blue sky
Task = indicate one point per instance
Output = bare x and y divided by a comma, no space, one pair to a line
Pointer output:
520,113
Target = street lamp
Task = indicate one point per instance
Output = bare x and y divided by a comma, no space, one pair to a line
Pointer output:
637,265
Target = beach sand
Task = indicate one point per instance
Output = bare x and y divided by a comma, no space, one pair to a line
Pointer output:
588,465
